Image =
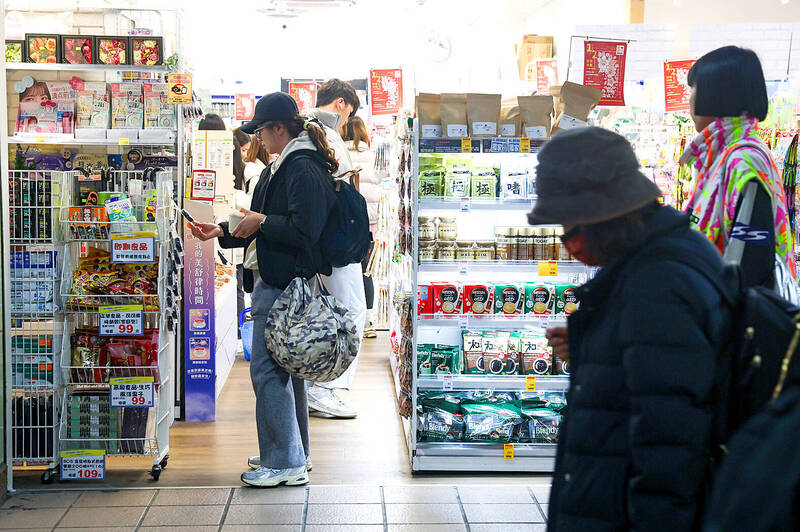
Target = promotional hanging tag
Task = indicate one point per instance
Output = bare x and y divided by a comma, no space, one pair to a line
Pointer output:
131,392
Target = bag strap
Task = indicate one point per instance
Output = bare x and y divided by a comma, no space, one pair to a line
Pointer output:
734,247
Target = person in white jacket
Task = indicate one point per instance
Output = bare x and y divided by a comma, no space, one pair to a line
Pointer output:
356,138
337,101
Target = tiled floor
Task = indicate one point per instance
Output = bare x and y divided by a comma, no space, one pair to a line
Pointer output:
487,508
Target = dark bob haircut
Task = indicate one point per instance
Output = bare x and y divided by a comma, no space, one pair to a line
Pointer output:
333,89
729,82
211,122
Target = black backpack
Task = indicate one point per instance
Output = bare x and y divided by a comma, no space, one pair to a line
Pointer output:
346,238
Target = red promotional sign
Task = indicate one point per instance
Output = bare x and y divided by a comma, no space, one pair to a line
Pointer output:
546,75
245,106
305,94
386,91
676,86
604,69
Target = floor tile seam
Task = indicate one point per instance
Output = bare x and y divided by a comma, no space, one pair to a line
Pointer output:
225,510
383,511
146,510
538,505
461,508
66,511
304,517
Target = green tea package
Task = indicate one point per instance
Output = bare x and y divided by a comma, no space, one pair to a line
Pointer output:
484,183
453,111
431,182
490,422
430,121
457,182
483,114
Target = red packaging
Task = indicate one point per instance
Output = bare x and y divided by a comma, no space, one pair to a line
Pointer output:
478,298
424,299
448,298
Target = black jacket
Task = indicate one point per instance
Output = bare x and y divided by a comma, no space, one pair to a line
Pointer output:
297,201
635,446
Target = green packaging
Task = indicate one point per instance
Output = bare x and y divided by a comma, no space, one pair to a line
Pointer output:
566,299
431,182
424,359
490,422
445,360
495,345
484,184
509,299
457,183
540,299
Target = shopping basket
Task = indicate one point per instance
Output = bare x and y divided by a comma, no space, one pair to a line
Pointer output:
246,330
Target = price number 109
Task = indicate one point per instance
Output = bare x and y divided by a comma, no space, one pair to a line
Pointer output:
88,473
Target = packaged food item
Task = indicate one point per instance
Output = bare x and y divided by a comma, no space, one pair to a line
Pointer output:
566,299
484,183
447,298
478,298
430,121
441,419
576,102
555,92
540,299
77,49
424,359
453,110
536,356
537,115
431,182
495,345
42,48
510,119
424,299
457,182
447,229
512,180
474,362
490,421
513,353
483,114
561,366
113,51
445,359
147,50
14,51
120,210
508,299
540,425
127,107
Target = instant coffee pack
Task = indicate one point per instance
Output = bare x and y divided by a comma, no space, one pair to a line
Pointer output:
483,113
577,101
510,119
429,115
537,115
453,111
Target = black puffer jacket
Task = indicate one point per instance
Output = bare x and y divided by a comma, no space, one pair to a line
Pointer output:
645,346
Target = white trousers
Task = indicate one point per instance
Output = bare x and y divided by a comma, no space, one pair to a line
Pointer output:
347,286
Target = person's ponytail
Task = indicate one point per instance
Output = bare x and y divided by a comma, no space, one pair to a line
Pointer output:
317,136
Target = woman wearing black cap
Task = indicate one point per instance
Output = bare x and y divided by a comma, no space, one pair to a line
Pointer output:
291,203
635,448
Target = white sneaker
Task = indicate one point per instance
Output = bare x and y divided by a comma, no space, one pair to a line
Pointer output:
264,477
255,462
369,330
328,403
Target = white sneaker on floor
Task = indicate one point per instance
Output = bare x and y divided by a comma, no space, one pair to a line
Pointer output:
328,403
255,462
369,330
264,477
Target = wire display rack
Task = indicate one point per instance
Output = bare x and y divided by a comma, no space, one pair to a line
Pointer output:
92,280
36,314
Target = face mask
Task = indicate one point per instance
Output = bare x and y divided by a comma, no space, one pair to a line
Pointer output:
577,248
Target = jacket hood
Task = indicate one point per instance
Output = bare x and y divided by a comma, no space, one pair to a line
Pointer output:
301,142
327,118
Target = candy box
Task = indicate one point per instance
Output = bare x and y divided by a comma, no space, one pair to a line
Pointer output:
478,298
424,299
147,50
473,352
447,298
536,356
42,48
112,50
566,299
508,299
540,299
77,49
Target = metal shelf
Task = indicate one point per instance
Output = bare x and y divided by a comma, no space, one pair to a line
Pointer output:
499,383
84,142
469,204
57,67
463,267
514,145
528,457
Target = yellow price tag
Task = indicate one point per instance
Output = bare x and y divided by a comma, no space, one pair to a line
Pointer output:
645,162
508,451
530,383
82,452
524,145
124,141
41,139
466,145
119,308
130,380
548,268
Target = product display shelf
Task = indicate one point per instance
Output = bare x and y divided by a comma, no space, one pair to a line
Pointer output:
57,67
33,342
507,455
88,421
408,434
44,140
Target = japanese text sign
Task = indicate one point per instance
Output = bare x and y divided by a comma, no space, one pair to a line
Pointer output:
305,94
546,75
245,105
121,320
133,248
604,69
386,91
88,464
676,85
132,392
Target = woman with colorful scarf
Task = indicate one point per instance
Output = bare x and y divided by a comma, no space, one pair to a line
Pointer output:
729,98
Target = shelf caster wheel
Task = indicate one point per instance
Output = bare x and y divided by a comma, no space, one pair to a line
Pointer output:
49,476
156,472
163,463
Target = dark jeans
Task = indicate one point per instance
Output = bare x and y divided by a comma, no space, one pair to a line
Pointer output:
239,295
369,286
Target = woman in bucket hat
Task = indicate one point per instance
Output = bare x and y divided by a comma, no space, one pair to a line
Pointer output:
635,450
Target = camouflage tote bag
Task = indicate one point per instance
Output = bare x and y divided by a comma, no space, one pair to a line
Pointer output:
311,336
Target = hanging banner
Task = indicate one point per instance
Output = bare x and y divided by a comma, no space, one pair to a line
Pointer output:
305,94
180,88
386,89
546,75
245,106
604,69
676,85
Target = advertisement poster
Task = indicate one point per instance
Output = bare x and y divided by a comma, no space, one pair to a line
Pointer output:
198,301
604,69
546,75
305,94
180,88
676,86
245,106
386,87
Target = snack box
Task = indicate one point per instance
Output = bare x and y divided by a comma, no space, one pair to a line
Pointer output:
424,299
536,356
566,299
509,299
448,298
474,362
540,299
478,298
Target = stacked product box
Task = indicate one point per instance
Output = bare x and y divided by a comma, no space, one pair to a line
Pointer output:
509,299
90,417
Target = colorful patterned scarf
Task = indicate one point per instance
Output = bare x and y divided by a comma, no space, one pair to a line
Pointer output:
725,156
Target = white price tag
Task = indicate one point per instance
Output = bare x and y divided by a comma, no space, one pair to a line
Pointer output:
121,320
463,268
88,464
466,204
133,248
447,382
131,392
462,322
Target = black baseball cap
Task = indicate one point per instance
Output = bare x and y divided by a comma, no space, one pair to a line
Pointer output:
274,106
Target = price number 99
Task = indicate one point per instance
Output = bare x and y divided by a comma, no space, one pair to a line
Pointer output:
126,328
138,400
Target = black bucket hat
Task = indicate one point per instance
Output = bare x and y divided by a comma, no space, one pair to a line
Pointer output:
274,106
587,176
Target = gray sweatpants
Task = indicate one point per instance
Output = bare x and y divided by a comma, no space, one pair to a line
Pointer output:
281,401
